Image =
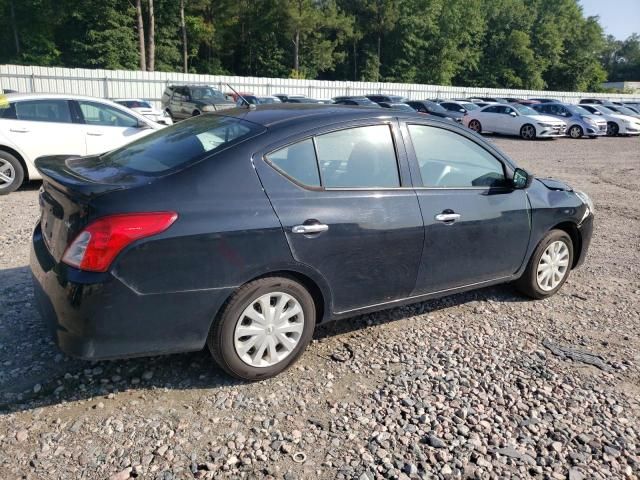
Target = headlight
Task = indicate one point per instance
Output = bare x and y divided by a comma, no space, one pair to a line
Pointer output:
208,108
586,200
546,125
589,120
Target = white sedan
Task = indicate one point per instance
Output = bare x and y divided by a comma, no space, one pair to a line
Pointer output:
617,124
145,109
514,119
33,125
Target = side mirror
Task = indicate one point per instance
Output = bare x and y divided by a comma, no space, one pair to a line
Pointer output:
462,110
521,179
513,114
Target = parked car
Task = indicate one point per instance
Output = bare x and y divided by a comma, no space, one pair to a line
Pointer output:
243,230
460,106
308,100
284,97
254,100
617,123
396,106
633,105
387,98
185,101
595,101
580,122
514,119
37,124
545,100
145,109
235,95
355,100
527,102
493,99
8,90
622,110
431,108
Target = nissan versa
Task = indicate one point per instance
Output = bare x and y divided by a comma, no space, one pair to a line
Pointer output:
242,231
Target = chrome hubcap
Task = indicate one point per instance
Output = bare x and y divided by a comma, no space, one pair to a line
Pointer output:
575,132
553,266
7,173
269,329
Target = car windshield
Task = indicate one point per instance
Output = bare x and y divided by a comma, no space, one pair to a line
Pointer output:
134,103
470,106
524,110
605,110
168,149
576,110
199,93
434,107
625,110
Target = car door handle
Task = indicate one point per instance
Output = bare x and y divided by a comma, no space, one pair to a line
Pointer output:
448,217
19,130
313,228
95,134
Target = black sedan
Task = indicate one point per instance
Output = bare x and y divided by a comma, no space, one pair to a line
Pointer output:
432,108
355,100
242,231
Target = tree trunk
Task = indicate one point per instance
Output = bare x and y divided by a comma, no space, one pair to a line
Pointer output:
151,40
355,61
296,50
16,39
183,26
379,55
141,45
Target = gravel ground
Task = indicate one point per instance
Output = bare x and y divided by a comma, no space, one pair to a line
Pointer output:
460,387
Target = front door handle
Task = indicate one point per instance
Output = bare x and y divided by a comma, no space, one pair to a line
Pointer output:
448,218
19,130
95,134
312,228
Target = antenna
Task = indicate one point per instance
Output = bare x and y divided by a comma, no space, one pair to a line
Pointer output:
250,106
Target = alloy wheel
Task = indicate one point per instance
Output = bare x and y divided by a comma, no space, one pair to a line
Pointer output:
528,132
612,129
553,266
475,126
575,132
269,329
7,173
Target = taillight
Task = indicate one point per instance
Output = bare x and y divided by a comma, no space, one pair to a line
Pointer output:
97,245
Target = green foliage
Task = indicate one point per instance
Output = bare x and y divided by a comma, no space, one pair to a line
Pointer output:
530,44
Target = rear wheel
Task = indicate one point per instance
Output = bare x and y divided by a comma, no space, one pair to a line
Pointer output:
195,112
548,267
576,131
475,126
263,328
612,129
11,173
528,132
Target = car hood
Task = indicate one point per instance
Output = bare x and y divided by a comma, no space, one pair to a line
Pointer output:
553,184
545,118
628,118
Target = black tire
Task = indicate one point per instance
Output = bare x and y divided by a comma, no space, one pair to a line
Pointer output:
612,129
195,113
528,282
10,167
575,131
476,126
221,335
528,132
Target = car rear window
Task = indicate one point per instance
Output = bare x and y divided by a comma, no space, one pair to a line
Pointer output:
169,149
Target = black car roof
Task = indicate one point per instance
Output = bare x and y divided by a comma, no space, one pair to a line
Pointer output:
280,114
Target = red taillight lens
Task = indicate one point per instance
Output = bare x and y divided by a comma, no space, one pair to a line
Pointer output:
97,245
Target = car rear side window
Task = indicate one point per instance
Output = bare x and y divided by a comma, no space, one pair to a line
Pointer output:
449,160
298,161
168,149
362,157
55,111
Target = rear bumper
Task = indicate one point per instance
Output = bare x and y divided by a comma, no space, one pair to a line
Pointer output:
96,316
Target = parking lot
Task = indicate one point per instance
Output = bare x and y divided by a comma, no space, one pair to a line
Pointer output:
460,387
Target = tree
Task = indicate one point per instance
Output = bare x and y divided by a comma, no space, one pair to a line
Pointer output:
183,28
151,40
141,42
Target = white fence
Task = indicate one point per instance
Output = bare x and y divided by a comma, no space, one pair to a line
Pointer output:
150,85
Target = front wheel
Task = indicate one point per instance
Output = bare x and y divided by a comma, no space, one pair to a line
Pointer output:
548,267
612,129
576,131
528,132
11,173
263,329
475,126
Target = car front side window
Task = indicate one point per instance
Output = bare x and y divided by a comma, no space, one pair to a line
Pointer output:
105,115
449,160
54,111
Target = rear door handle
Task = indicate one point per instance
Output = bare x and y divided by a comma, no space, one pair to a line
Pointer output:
19,130
447,217
95,134
313,228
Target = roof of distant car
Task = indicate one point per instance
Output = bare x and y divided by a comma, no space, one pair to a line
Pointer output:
62,96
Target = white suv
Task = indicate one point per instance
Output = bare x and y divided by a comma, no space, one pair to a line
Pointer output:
33,125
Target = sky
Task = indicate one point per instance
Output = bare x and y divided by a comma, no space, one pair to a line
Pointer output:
619,18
